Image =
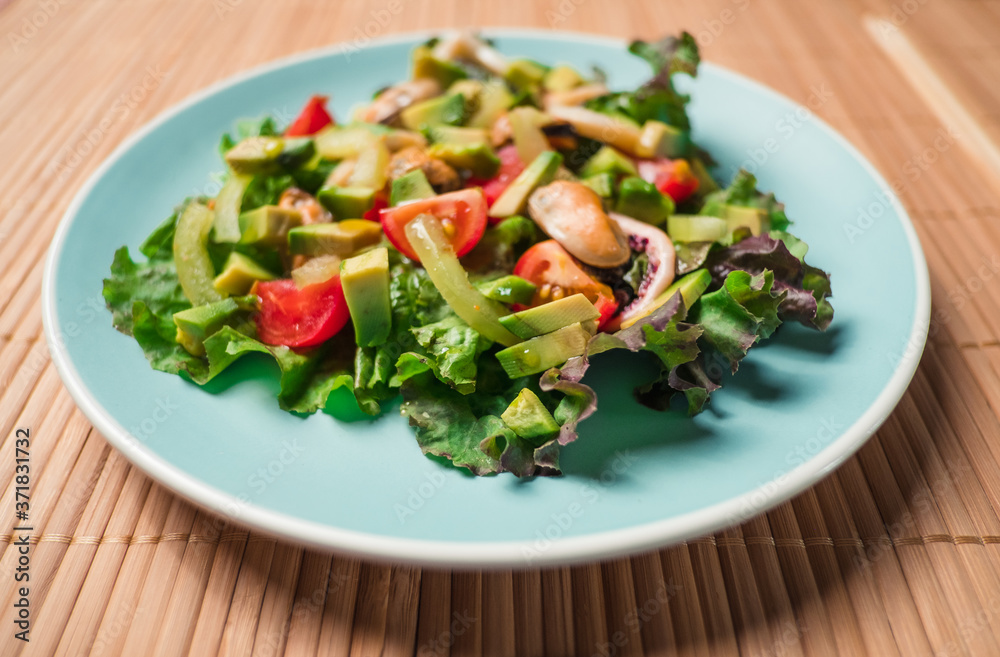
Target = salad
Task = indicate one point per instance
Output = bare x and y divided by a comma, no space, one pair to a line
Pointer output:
469,239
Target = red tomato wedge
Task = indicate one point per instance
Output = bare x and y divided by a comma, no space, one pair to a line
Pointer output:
511,167
311,119
672,177
552,269
462,213
379,204
300,317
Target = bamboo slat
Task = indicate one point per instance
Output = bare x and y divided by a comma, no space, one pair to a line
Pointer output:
895,553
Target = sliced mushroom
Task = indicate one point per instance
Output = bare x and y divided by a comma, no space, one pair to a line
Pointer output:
312,212
572,214
465,45
648,239
602,127
387,106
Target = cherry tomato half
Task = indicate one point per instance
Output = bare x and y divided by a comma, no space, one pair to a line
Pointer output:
311,119
300,317
462,213
672,177
552,269
511,167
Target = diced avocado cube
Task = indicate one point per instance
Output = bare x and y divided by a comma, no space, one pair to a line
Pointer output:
690,286
549,350
442,110
339,142
491,102
239,274
449,134
609,160
196,324
365,279
756,219
658,139
268,224
508,289
255,155
528,418
562,78
341,238
426,65
602,183
298,151
468,88
347,202
477,158
706,183
551,316
696,228
410,186
525,74
515,197
642,200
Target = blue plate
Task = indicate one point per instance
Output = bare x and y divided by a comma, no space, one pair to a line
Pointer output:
637,479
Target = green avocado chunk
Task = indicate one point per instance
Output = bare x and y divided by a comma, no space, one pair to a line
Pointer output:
255,155
347,202
341,238
477,158
448,109
603,184
540,172
642,200
549,350
411,186
426,65
365,279
551,316
609,160
508,289
196,324
268,224
239,274
528,418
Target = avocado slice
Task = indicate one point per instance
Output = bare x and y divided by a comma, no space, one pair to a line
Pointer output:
342,238
365,279
528,418
347,202
525,74
550,317
449,134
297,152
602,183
515,197
549,350
255,155
658,139
239,274
508,289
441,110
491,102
756,219
411,186
477,158
691,286
562,78
642,200
426,65
696,228
609,160
268,224
196,324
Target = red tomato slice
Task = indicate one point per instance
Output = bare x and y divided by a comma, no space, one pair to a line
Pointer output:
380,204
511,167
297,317
463,214
311,119
672,177
550,267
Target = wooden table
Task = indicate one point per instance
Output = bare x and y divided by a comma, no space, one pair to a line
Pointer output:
895,553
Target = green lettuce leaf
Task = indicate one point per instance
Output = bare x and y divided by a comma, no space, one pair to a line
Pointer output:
743,192
455,347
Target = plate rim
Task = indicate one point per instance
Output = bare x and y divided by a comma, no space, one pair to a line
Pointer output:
490,554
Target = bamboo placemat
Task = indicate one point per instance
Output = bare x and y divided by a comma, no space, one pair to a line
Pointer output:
896,553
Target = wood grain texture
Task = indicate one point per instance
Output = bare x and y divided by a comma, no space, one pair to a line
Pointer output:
895,553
